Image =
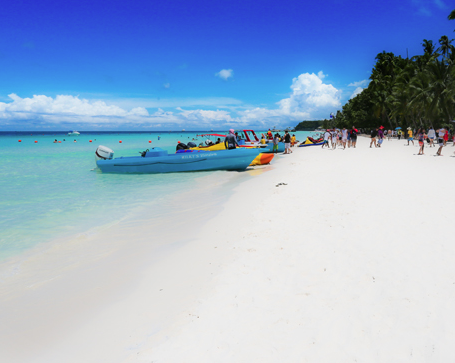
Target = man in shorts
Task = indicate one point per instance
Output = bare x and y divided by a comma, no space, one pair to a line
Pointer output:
353,136
287,143
326,139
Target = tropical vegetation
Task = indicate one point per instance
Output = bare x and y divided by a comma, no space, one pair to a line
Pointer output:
416,92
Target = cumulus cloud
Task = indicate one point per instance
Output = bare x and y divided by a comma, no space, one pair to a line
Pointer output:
310,98
363,83
225,74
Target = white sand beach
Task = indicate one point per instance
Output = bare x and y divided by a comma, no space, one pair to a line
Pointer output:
351,260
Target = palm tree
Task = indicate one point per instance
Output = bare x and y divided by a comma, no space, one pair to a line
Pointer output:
452,15
428,47
446,45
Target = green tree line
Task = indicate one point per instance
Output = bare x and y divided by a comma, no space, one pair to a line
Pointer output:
416,92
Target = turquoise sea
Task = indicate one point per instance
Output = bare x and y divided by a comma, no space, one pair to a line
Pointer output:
49,190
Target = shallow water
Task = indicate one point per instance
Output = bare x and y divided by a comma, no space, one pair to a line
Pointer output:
49,190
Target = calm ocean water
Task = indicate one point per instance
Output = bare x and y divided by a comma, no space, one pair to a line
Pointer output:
50,190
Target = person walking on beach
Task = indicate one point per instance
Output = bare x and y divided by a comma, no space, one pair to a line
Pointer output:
422,136
441,132
230,142
353,136
326,139
344,137
287,143
374,134
431,136
334,138
380,136
399,134
410,138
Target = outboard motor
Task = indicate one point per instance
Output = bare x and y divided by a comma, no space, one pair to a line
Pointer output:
181,146
191,144
103,153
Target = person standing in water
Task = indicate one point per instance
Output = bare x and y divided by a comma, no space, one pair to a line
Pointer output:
230,142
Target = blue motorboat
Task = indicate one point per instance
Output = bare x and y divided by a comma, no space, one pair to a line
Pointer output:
157,160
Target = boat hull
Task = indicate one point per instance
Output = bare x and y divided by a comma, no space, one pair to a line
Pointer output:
238,159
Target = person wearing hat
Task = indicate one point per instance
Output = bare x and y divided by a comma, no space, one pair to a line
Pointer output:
230,142
380,136
410,138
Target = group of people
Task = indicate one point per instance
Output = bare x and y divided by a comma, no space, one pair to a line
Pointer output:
340,137
288,140
442,135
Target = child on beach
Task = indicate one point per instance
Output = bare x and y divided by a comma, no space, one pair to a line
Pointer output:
422,136
276,140
410,138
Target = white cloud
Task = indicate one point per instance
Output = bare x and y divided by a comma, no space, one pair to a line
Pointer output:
359,83
167,85
310,98
357,91
225,74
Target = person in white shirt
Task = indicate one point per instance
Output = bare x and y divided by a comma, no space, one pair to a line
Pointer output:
344,137
441,132
326,138
431,134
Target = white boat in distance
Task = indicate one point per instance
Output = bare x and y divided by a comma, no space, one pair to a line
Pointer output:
73,133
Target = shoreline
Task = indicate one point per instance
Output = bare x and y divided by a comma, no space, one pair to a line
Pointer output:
341,263
73,280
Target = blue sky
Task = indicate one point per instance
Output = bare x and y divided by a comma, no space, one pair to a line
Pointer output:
139,65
